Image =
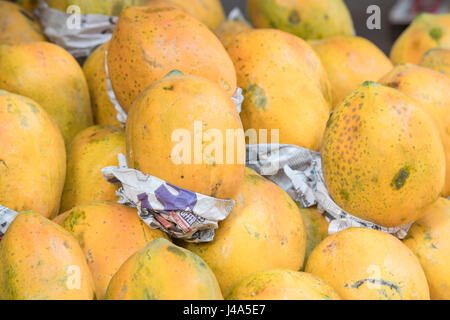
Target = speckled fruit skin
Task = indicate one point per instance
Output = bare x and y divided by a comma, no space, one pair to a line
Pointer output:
308,19
432,90
164,271
316,227
281,284
32,157
176,103
228,29
209,12
284,84
108,233
148,43
429,239
18,25
92,150
49,75
438,60
39,260
108,8
349,61
427,31
263,231
382,157
103,109
366,264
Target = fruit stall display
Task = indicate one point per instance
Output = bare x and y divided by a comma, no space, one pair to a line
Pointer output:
126,153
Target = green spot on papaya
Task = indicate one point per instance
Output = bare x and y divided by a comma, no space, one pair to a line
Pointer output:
257,96
400,178
344,194
294,17
175,250
436,34
174,73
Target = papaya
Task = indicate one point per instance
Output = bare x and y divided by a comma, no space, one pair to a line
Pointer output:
427,31
284,85
108,233
91,150
209,12
27,4
308,19
429,239
184,113
32,157
49,75
263,231
316,227
39,260
103,110
382,158
230,28
107,8
349,61
366,264
432,90
148,43
438,60
164,271
18,25
281,284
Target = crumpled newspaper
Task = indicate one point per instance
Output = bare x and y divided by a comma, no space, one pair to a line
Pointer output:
78,33
298,171
6,218
180,213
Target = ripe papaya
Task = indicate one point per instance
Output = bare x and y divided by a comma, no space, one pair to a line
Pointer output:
438,60
308,19
91,150
382,157
281,284
184,113
284,84
263,231
27,4
49,75
18,25
427,31
32,157
349,61
108,233
39,260
366,264
429,239
164,271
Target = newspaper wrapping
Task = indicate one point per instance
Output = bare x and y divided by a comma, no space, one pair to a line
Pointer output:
180,213
78,33
6,218
299,172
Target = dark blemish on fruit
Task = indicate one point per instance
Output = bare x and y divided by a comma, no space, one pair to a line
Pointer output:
400,178
294,17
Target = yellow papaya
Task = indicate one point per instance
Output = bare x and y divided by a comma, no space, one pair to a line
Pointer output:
438,60
107,8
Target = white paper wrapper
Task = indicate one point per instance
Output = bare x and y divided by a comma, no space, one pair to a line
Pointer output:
237,15
180,213
6,218
299,172
80,33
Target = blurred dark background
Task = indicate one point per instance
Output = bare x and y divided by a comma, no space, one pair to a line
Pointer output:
383,38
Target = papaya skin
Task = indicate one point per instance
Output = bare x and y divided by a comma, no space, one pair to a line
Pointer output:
156,272
382,157
284,84
427,31
107,8
349,61
228,29
18,25
281,284
429,239
263,231
366,264
438,60
144,49
36,261
50,76
307,19
108,233
92,150
32,157
28,4
103,109
175,104
432,90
